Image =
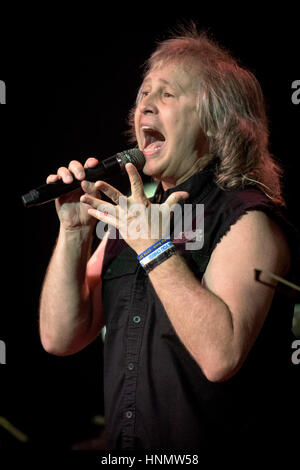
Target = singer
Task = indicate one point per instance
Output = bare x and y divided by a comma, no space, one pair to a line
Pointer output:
196,350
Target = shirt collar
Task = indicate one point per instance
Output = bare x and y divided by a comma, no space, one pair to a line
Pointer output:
194,185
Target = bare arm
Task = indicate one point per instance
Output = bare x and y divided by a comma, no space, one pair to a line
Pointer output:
70,304
219,323
69,317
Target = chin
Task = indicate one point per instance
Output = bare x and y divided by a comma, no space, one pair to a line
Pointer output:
153,170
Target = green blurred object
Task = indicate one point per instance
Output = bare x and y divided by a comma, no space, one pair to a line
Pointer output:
296,321
10,428
149,189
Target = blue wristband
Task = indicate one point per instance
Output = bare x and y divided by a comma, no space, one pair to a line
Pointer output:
153,247
160,259
154,254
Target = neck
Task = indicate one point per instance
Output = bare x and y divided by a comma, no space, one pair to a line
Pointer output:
168,183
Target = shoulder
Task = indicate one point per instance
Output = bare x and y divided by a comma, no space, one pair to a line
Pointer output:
225,208
256,236
233,200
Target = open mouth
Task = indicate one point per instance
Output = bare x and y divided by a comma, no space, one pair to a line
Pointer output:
154,140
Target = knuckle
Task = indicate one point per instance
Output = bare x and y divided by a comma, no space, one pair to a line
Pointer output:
89,187
91,161
74,163
51,178
62,170
77,169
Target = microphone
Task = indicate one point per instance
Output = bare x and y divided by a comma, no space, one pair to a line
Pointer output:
108,167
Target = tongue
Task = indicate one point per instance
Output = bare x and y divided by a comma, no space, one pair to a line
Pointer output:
155,144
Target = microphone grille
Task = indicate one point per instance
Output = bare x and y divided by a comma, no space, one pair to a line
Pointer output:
134,156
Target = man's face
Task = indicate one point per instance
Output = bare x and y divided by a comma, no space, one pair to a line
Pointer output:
167,125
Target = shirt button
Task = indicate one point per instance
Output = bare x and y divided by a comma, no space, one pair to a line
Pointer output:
129,414
137,319
130,366
108,270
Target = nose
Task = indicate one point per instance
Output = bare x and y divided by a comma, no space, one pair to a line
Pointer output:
148,105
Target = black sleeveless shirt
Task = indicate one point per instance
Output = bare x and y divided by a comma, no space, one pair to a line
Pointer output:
155,394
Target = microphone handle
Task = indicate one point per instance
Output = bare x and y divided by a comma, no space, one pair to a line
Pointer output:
49,191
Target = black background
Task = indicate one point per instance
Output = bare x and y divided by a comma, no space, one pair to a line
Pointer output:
71,78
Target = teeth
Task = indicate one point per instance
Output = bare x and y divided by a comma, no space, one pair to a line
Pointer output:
152,149
146,127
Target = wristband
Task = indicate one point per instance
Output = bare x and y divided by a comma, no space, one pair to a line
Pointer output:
160,259
156,253
153,247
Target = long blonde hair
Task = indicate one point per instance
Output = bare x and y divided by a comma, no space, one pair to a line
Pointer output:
232,112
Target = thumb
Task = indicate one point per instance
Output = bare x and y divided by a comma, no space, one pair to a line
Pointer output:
176,197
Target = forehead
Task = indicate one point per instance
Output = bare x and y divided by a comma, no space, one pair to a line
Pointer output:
171,74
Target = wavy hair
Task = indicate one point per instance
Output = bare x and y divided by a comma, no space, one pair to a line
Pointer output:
231,110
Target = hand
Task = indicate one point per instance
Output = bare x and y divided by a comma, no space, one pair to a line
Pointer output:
71,212
140,222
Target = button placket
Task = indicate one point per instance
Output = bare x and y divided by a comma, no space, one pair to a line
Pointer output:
134,336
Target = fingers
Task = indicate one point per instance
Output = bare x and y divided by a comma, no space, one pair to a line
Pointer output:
62,174
103,217
98,204
91,162
89,187
137,187
52,179
101,210
65,175
109,191
74,170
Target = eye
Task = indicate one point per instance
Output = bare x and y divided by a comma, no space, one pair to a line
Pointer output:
168,95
